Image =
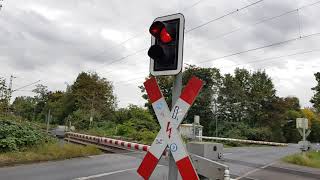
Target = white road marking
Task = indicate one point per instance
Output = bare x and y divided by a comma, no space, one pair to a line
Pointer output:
255,170
227,153
107,174
104,174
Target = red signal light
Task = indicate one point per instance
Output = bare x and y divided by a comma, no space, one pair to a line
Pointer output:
159,31
165,36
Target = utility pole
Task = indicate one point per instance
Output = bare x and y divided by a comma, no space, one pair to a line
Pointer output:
215,116
176,91
9,93
48,120
91,112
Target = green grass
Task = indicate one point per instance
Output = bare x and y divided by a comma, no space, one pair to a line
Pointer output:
311,159
46,152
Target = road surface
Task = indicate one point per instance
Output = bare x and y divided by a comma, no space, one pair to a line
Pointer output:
263,163
244,162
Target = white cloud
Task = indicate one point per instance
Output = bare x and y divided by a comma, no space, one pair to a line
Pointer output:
53,41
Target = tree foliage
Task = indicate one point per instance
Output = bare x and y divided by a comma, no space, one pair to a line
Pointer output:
316,97
88,95
3,96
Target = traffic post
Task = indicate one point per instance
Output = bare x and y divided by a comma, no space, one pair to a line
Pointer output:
166,58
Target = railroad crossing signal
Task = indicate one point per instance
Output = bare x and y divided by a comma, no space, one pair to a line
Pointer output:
166,49
168,135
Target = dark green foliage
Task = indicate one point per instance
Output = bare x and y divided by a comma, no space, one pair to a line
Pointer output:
3,96
203,105
88,96
316,97
24,107
137,123
315,131
133,123
244,104
15,136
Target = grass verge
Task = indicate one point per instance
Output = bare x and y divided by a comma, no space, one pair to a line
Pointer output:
311,159
46,152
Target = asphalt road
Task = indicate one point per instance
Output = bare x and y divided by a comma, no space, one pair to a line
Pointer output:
245,163
264,163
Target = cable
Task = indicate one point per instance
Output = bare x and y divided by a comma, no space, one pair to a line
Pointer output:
124,57
135,36
26,86
230,13
272,58
193,5
251,62
261,47
263,20
119,44
206,23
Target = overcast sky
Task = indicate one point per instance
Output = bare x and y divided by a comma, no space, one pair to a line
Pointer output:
53,41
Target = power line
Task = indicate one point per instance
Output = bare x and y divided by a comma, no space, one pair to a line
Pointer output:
273,58
232,12
264,20
26,85
254,24
193,5
261,47
250,62
124,57
218,18
134,37
204,24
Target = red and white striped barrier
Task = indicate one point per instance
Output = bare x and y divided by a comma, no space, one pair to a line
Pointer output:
244,141
108,141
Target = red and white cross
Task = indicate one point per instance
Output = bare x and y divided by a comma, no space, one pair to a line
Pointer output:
169,136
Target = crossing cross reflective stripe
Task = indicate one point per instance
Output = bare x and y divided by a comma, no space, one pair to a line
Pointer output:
168,135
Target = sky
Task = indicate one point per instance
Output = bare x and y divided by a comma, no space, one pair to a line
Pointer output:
53,41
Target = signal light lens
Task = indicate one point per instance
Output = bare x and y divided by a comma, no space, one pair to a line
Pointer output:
165,36
156,28
159,31
156,52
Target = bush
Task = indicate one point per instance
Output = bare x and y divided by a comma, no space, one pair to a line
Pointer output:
18,136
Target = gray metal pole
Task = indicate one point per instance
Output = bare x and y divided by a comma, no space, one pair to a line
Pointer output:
215,116
304,133
176,91
48,120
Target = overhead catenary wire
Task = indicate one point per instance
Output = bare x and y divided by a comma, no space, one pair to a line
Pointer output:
273,58
261,47
26,86
134,37
264,59
188,31
223,16
259,22
263,20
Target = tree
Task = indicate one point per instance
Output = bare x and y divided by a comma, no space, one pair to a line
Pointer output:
314,124
205,102
41,99
203,105
316,97
94,96
3,96
24,107
292,111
